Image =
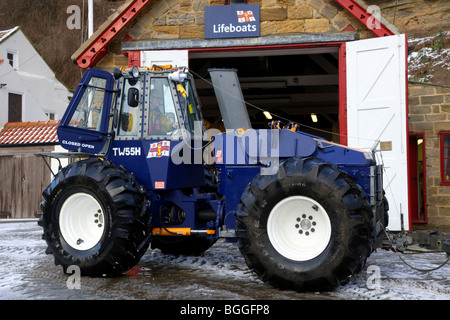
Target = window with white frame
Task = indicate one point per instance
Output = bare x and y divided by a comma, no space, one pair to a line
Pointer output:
50,115
12,59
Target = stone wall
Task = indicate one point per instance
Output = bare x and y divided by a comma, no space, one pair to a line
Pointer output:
183,19
174,19
429,113
417,18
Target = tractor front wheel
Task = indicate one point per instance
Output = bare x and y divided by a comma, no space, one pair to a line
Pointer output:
94,216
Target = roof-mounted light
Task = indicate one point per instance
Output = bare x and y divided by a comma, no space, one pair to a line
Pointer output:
178,76
117,73
134,72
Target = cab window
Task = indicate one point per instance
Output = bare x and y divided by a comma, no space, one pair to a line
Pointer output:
129,115
89,110
189,105
162,117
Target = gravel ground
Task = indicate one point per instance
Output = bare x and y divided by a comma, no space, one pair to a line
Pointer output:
219,274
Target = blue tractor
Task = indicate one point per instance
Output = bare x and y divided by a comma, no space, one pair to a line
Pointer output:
305,212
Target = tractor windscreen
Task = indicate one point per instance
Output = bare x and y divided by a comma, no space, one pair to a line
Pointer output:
189,104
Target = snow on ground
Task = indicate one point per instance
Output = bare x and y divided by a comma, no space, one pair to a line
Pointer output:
219,274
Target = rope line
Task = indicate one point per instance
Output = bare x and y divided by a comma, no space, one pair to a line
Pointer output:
277,115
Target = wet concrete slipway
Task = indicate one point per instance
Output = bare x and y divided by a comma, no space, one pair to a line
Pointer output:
27,273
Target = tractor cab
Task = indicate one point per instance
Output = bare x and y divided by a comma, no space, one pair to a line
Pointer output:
141,118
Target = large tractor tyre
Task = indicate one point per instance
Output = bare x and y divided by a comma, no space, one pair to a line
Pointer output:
95,216
308,228
188,246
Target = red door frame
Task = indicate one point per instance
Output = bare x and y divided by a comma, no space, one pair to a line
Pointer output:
412,166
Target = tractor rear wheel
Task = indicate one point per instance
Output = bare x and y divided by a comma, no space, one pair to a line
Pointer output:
94,215
308,228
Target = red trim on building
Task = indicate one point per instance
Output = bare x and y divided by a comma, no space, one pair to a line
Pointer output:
134,58
414,209
356,10
343,94
93,50
268,47
444,181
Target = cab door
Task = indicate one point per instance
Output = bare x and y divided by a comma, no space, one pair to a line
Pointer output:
86,124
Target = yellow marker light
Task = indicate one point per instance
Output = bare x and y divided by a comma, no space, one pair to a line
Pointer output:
181,90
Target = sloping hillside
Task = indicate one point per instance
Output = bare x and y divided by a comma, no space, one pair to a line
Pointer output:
427,25
44,22
429,60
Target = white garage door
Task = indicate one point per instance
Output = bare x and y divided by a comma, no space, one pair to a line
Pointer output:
376,112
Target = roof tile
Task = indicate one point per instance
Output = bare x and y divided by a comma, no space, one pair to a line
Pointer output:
20,133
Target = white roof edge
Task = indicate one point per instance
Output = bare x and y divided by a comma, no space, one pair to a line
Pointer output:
8,33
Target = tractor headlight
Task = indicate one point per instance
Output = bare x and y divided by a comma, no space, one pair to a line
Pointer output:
134,72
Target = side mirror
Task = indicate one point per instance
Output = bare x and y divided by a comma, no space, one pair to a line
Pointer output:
133,97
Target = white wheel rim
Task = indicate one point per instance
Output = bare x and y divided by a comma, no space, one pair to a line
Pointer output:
81,221
299,228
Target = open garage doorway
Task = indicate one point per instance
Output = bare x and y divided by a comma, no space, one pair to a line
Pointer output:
356,88
301,85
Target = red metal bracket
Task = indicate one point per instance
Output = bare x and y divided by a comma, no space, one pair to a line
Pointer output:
356,10
93,50
134,58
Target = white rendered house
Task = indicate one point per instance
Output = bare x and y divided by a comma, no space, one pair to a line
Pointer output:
29,89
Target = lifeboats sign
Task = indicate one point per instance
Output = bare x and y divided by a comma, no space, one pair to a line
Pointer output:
232,21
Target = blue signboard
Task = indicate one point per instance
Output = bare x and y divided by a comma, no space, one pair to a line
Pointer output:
232,21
